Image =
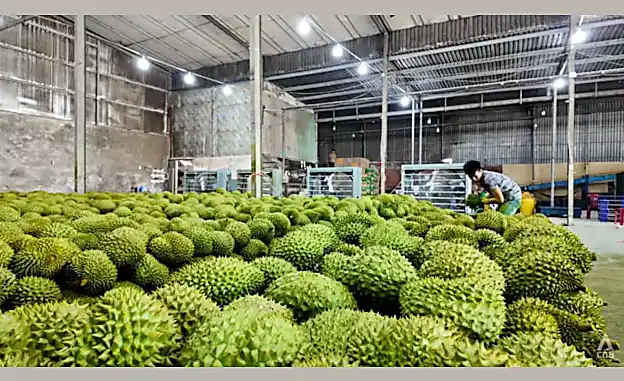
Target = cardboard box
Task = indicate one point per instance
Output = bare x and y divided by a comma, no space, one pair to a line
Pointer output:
360,162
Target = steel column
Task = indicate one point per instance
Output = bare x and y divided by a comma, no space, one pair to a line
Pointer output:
553,150
571,111
384,117
412,146
80,122
420,130
479,105
257,87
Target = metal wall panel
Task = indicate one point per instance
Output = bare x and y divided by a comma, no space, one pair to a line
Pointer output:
359,140
495,136
491,142
599,131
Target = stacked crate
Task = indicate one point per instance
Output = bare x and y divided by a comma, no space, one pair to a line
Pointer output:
370,175
370,182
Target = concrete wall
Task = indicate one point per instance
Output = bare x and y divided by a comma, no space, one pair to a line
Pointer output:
125,111
37,153
209,123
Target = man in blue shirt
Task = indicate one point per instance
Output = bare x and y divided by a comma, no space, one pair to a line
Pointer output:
502,189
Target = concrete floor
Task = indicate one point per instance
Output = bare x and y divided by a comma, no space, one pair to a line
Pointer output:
601,237
607,276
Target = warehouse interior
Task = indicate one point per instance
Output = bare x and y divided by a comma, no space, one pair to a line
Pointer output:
458,87
185,104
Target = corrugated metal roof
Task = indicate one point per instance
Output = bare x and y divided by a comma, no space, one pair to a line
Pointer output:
499,62
195,41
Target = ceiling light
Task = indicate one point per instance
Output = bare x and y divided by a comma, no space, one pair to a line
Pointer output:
304,27
227,90
428,120
189,78
362,69
405,101
337,51
143,63
578,37
559,83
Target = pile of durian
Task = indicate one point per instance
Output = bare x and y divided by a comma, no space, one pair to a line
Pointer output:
226,280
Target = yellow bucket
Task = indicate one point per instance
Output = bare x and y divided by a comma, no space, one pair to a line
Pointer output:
527,207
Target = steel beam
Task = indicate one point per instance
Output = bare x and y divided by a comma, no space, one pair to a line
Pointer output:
327,69
471,106
424,69
336,94
494,87
224,28
541,83
330,94
381,24
451,65
337,82
477,74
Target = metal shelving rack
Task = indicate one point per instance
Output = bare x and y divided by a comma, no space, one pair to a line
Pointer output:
445,185
342,182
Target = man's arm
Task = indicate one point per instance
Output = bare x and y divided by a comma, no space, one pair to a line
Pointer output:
497,196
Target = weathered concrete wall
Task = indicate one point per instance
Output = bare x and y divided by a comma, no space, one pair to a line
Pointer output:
209,123
37,153
36,112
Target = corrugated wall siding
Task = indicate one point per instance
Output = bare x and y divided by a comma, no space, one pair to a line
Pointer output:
206,122
495,136
599,131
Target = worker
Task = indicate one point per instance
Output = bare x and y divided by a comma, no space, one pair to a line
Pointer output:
332,158
501,189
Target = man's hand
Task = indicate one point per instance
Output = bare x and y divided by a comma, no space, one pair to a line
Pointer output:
487,198
490,200
497,196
